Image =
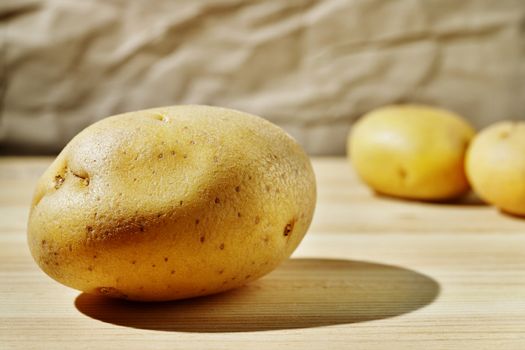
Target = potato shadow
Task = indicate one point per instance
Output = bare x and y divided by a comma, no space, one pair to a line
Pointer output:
468,200
301,293
511,215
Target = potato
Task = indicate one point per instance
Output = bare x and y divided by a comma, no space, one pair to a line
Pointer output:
496,166
171,203
411,151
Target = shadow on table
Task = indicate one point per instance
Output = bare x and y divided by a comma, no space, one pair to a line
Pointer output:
301,293
468,200
511,215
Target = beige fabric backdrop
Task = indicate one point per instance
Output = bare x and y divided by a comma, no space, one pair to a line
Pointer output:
312,67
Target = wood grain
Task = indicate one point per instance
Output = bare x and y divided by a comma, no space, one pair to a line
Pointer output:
372,273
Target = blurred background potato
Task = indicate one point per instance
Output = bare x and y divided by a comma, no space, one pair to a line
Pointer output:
312,67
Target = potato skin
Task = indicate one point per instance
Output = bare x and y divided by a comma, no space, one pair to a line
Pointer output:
171,203
411,151
496,166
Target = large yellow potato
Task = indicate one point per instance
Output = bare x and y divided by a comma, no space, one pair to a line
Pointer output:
496,166
171,203
411,151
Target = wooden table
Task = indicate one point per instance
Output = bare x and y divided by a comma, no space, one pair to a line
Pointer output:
372,273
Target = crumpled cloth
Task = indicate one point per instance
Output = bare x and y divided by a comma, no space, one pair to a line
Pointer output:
312,67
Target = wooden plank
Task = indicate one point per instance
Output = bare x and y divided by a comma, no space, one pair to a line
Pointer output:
372,273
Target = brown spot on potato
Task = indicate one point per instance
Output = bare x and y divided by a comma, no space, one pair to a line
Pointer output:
503,134
90,268
111,292
238,214
95,256
180,203
134,262
153,265
257,219
288,228
203,290
172,272
59,180
166,259
268,188
161,155
192,142
202,239
43,242
89,228
172,153
402,173
237,188
197,221
84,178
217,200
221,272
247,276
221,247
185,156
